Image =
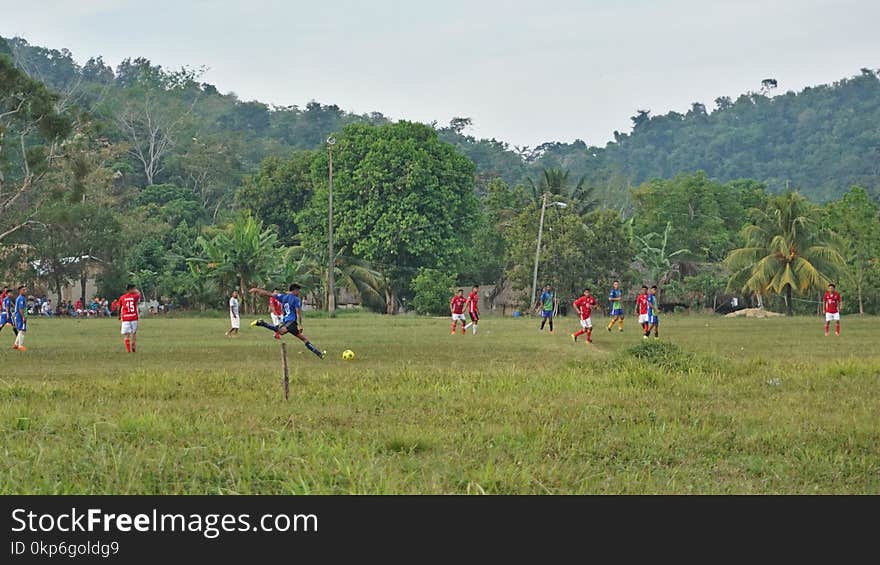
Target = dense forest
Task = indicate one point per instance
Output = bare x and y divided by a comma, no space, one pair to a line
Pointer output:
188,191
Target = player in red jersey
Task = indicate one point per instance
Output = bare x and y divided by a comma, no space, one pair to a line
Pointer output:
128,314
584,306
456,306
275,310
833,303
642,308
473,306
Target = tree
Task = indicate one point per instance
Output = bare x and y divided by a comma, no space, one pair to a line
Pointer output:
431,291
786,251
609,247
855,219
655,256
30,131
402,200
243,253
558,184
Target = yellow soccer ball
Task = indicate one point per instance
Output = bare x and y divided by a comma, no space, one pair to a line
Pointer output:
348,355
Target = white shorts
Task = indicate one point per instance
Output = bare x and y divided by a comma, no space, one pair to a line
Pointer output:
456,317
832,317
643,318
276,319
587,324
235,321
129,327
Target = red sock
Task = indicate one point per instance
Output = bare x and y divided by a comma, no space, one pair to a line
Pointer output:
837,328
128,345
580,333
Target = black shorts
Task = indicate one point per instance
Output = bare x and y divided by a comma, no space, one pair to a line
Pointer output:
475,316
291,326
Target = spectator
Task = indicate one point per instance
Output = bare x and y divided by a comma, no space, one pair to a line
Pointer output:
105,308
78,307
46,309
114,306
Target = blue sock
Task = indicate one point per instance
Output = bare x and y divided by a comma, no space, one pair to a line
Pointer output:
312,348
263,324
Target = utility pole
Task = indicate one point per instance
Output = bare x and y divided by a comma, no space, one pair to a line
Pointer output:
538,250
331,266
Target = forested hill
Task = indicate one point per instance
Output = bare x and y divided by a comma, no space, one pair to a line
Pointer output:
821,140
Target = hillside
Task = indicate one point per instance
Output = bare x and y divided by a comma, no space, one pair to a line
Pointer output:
821,140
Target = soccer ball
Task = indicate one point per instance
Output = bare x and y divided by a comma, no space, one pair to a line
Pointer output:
348,355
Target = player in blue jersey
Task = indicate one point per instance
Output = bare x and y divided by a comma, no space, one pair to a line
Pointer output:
6,310
653,313
291,312
615,298
19,318
547,304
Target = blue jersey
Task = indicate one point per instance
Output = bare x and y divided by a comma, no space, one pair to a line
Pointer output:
6,307
289,305
652,308
21,305
614,297
547,301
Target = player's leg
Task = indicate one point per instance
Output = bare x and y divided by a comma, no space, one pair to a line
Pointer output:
656,327
134,339
543,320
827,324
620,323
454,324
299,335
611,323
475,317
550,320
20,324
837,324
270,327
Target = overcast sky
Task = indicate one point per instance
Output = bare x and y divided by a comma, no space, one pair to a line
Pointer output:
525,72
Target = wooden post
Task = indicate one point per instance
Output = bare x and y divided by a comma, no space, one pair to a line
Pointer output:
286,381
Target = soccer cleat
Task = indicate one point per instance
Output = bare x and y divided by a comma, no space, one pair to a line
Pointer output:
255,322
551,332
644,337
21,348
323,354
574,338
609,329
14,346
452,332
277,335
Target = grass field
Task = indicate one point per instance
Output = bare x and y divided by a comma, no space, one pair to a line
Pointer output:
746,406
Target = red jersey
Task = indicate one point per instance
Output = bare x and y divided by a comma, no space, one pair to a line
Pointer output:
642,304
457,304
584,306
473,300
832,302
128,306
274,306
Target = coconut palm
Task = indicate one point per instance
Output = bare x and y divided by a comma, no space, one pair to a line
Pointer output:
557,183
243,253
786,251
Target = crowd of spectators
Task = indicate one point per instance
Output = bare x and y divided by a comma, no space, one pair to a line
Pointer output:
97,307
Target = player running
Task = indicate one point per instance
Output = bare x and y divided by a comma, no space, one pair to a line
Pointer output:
234,318
547,303
615,297
642,308
584,306
456,307
473,306
291,306
833,304
653,321
20,315
128,315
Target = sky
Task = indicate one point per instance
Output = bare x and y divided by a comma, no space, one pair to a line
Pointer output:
524,72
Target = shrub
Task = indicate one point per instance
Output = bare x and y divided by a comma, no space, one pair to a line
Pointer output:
431,291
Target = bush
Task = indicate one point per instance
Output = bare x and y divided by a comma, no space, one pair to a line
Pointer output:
431,291
661,354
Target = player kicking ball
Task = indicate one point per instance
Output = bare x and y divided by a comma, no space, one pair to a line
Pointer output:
291,307
128,315
584,306
456,308
833,304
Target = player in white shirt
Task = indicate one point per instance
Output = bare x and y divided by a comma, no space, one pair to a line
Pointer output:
234,319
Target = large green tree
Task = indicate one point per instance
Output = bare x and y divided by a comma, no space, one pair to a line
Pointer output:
786,251
402,200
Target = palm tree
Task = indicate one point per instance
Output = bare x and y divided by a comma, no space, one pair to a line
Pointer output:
786,251
654,256
241,254
557,183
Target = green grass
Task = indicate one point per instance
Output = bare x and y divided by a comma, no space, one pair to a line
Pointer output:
725,406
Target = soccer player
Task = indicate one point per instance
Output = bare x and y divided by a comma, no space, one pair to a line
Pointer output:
456,307
6,310
833,303
275,308
653,312
547,303
291,306
615,298
128,315
20,316
584,306
473,305
642,308
234,319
